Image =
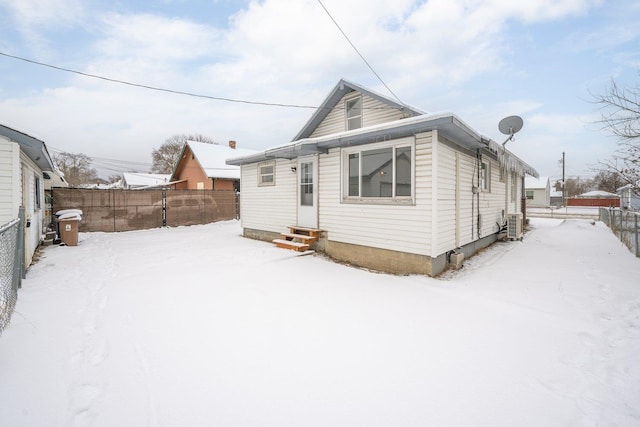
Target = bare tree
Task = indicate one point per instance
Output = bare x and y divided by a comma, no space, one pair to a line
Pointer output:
76,168
165,157
620,110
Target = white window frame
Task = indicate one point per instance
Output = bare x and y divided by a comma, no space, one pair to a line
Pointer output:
346,112
514,187
262,175
394,199
485,176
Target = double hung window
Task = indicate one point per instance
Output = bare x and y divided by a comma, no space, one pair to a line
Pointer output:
266,174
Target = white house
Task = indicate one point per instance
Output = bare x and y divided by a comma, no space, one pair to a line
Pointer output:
629,196
538,192
23,159
385,186
133,180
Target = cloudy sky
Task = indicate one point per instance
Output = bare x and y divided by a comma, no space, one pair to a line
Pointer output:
481,59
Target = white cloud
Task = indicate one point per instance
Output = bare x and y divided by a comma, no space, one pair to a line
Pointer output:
283,51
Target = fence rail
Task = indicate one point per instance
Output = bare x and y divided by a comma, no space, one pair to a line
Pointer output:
10,269
625,225
126,210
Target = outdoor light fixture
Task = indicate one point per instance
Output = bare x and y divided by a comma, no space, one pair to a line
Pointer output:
293,169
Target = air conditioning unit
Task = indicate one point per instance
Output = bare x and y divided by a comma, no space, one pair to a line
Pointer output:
514,226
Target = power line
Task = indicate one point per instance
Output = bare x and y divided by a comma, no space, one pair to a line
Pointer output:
179,92
358,52
159,89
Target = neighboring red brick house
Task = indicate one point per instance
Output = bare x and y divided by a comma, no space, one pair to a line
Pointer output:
202,166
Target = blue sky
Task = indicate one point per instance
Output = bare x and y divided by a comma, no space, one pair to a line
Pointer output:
481,59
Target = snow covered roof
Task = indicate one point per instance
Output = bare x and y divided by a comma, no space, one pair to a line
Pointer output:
135,179
448,124
533,183
597,193
213,157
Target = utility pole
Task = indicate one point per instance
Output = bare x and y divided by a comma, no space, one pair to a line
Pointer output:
564,203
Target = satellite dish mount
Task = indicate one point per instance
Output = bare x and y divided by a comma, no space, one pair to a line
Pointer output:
510,126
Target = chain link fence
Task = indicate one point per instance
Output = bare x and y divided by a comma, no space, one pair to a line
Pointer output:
11,263
624,224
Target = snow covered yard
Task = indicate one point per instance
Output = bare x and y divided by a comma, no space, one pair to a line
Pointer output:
197,326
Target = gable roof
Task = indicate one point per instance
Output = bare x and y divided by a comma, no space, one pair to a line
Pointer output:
532,183
34,148
144,179
212,159
341,89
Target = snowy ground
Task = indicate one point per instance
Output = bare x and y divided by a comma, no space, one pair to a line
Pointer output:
197,326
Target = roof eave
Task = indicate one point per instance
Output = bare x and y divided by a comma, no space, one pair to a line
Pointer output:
34,148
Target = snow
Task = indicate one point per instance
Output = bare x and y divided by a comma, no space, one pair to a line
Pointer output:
197,326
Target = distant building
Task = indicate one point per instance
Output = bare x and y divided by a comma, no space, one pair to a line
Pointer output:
595,198
202,166
135,180
629,196
538,192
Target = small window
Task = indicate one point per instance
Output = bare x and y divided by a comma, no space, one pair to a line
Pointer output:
529,194
485,177
514,186
354,113
38,203
266,174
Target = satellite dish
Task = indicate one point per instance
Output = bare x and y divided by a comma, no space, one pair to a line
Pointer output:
510,126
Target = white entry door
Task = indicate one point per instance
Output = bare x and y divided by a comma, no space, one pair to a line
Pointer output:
308,192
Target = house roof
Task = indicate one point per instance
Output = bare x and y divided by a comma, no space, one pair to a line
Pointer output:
532,183
341,89
447,124
597,193
134,179
34,148
212,158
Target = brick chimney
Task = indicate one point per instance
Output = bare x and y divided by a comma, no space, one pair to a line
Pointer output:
232,144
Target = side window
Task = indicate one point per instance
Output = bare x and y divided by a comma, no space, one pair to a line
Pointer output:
514,186
354,113
37,190
266,174
485,177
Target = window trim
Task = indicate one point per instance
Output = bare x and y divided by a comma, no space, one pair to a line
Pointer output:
261,175
394,199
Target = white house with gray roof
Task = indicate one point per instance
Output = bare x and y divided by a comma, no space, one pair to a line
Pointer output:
382,185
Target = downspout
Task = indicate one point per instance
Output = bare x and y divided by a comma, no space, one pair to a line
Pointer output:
478,189
523,204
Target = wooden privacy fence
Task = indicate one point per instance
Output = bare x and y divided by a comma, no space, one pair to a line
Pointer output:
127,210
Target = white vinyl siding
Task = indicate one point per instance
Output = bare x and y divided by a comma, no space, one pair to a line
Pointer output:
10,183
374,112
446,199
269,208
404,228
